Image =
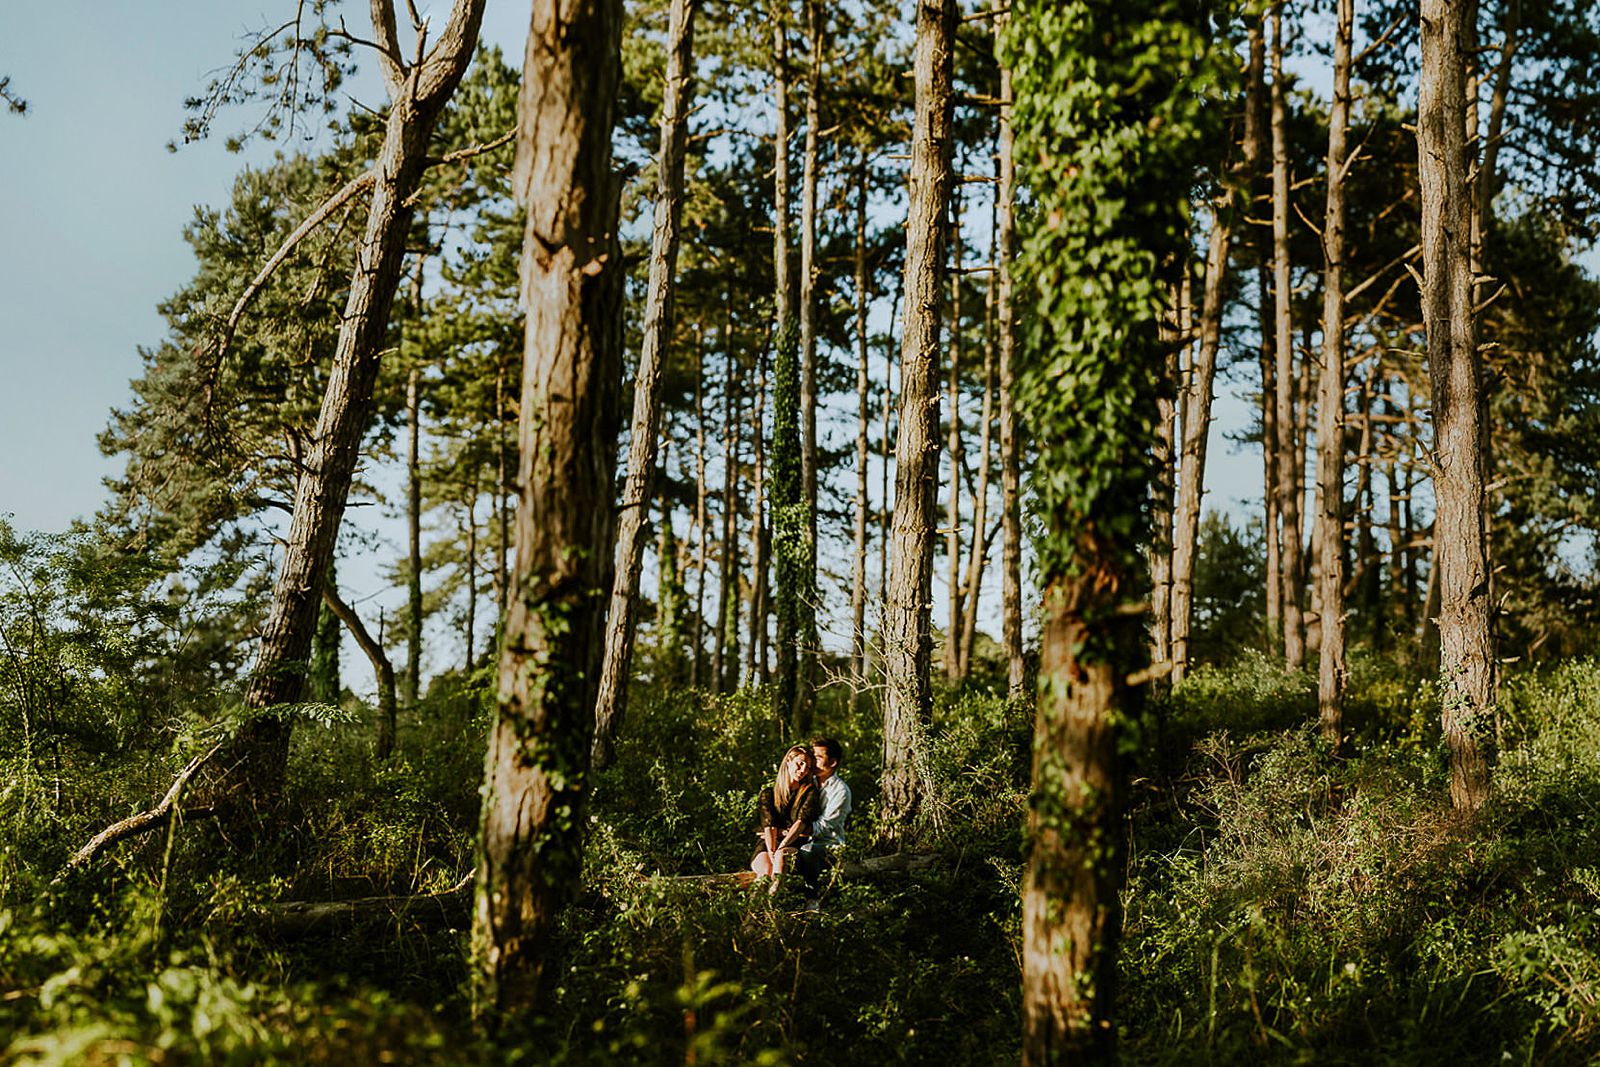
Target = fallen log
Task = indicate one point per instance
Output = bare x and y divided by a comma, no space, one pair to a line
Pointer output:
306,918
867,868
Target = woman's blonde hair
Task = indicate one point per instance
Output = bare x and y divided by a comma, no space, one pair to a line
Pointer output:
783,787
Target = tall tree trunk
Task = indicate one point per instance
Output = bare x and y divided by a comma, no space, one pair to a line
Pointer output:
1196,424
1330,396
1269,462
413,674
953,455
418,94
382,668
725,657
760,537
612,703
1290,455
470,511
536,791
697,660
908,643
1467,667
805,696
978,555
858,565
793,550
1010,446
502,575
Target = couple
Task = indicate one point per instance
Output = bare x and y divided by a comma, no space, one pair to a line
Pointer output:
800,817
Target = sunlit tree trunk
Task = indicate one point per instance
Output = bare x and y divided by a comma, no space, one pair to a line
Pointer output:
954,456
1467,667
612,703
1290,454
858,563
536,791
907,638
1330,396
418,94
1010,446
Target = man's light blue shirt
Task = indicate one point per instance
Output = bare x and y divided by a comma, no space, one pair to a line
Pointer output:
828,828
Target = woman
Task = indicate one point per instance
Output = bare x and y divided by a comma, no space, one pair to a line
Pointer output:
785,813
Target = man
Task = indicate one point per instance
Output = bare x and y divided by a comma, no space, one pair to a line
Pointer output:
827,830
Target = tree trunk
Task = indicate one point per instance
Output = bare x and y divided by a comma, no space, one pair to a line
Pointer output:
418,94
1330,396
324,679
953,456
537,766
1164,485
697,661
1467,667
1269,463
793,549
413,541
725,657
858,564
907,640
1010,446
382,669
1196,424
502,576
471,514
759,537
978,556
612,703
1290,456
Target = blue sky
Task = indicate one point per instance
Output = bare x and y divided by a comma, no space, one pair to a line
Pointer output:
92,209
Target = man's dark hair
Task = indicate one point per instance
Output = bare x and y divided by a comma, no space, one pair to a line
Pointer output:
834,750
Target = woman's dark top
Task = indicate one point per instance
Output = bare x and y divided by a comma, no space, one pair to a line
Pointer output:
804,807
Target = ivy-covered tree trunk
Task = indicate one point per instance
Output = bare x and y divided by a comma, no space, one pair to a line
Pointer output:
1330,395
792,549
1466,665
612,703
760,537
418,94
1090,80
324,675
908,642
537,766
1290,454
805,693
701,516
1010,446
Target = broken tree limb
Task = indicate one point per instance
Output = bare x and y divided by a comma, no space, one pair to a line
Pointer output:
144,821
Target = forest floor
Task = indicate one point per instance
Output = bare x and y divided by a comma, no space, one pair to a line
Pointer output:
1283,903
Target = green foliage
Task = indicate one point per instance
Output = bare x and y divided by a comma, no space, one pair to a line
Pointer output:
793,553
1113,105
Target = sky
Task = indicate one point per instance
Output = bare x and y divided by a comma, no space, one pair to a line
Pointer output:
92,210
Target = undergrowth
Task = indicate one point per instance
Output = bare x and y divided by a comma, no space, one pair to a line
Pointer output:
1284,902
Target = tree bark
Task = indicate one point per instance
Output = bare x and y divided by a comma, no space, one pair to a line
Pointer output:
1467,666
537,765
978,554
697,660
725,654
907,638
1331,671
1010,446
413,541
858,564
760,537
418,94
1290,456
953,456
612,702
